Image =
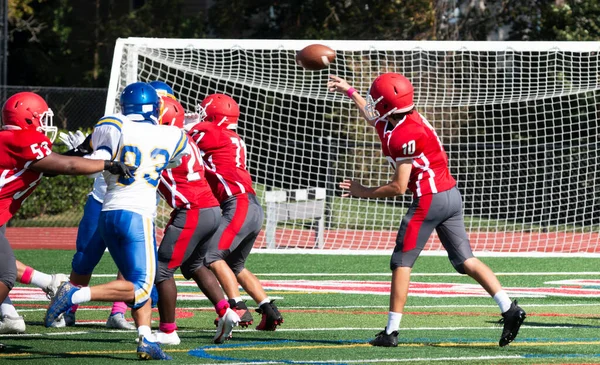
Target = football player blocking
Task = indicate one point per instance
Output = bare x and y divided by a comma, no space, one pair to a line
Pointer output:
26,155
420,165
498,107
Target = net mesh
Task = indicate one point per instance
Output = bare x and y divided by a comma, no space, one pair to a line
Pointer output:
519,127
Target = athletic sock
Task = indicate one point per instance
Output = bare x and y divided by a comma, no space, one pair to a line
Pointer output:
167,327
37,278
502,300
118,307
82,295
146,332
393,324
8,309
221,307
266,300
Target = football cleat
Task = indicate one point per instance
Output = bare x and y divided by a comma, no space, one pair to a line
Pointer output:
147,350
118,321
384,340
225,327
512,319
69,318
167,338
59,322
242,311
12,325
57,280
271,318
60,303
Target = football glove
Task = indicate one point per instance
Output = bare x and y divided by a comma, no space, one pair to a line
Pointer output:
72,140
118,168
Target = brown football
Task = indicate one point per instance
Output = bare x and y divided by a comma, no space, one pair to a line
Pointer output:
315,57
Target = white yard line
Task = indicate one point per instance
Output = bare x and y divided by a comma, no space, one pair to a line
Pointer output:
441,306
495,328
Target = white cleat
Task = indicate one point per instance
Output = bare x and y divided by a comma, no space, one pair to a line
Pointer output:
52,288
59,322
167,338
118,321
225,326
12,325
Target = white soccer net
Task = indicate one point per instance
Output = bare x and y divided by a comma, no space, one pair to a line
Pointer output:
519,122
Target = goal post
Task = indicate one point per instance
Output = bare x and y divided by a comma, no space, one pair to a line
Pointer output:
519,121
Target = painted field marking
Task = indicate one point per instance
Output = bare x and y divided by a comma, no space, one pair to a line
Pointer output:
42,307
547,273
319,329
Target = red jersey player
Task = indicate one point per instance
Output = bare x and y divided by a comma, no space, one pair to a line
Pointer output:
195,217
25,154
225,157
416,153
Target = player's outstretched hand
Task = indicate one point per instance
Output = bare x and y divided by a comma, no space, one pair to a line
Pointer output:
118,168
337,84
352,187
72,140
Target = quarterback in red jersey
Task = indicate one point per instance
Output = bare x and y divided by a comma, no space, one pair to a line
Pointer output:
416,153
224,155
25,154
195,217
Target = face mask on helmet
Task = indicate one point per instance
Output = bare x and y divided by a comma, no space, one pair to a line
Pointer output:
27,110
220,109
140,102
163,89
390,93
172,112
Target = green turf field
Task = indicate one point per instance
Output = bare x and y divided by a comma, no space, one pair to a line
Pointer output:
330,315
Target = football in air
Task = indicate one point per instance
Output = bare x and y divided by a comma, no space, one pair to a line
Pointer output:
315,57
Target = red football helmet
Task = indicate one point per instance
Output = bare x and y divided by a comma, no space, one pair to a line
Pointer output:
27,110
390,93
220,109
172,113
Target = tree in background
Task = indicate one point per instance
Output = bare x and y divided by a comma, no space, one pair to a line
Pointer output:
70,43
67,43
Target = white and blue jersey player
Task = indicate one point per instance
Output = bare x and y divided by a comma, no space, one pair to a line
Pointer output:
126,221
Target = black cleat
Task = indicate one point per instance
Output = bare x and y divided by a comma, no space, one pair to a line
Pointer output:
512,319
384,340
270,317
245,316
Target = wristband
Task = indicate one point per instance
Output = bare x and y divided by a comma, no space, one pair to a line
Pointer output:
107,164
350,92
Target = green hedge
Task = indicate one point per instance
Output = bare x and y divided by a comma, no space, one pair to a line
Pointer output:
57,201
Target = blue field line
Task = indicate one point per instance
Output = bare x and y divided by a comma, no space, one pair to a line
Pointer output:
201,352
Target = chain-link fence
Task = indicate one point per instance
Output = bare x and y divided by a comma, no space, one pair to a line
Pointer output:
74,108
59,201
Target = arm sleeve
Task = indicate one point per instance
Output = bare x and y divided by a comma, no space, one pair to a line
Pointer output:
106,137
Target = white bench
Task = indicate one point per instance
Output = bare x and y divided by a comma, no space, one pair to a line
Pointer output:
286,205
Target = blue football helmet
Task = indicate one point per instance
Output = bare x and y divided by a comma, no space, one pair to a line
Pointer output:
140,102
162,89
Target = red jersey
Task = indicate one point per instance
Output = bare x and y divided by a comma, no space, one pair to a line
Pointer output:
185,186
225,158
18,149
413,138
